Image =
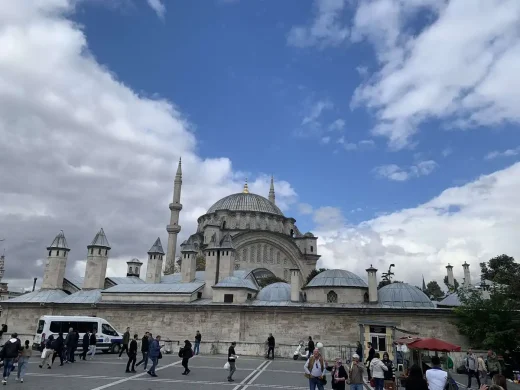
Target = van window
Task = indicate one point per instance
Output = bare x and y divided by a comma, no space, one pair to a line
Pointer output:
56,327
41,324
108,330
83,327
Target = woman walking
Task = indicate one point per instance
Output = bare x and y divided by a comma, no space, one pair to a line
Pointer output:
187,354
339,376
48,352
377,369
23,361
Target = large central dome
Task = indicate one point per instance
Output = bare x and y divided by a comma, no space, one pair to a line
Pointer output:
245,202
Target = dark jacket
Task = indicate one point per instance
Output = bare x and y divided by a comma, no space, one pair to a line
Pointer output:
310,345
198,337
11,349
231,352
390,373
155,349
132,350
86,341
371,353
69,339
49,343
186,351
93,339
58,344
145,344
342,373
270,341
126,337
416,384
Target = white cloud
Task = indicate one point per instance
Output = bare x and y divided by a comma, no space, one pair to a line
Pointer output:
316,110
327,29
305,208
158,6
363,144
81,150
446,152
506,153
461,68
397,173
337,125
472,223
325,140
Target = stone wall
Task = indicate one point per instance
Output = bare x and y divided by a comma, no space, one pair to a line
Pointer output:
336,328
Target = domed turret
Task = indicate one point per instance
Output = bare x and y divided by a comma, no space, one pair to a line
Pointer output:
403,295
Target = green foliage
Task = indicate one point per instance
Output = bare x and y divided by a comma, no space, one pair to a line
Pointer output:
200,263
384,283
270,280
451,288
313,273
490,319
433,290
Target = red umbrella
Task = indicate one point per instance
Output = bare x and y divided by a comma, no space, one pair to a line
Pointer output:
433,344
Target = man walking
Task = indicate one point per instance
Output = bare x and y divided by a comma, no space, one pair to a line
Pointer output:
310,347
356,373
315,370
371,354
92,344
270,346
472,368
232,357
494,366
132,354
9,353
198,338
145,346
154,353
126,340
85,345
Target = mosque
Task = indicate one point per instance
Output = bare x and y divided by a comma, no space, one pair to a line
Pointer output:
244,238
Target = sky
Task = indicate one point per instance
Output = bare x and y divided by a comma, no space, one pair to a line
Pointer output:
390,126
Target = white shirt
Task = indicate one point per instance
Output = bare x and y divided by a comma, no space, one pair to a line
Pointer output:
317,369
436,379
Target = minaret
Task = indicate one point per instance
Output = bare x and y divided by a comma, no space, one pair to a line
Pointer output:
174,228
467,275
155,262
451,279
56,263
97,261
2,266
272,197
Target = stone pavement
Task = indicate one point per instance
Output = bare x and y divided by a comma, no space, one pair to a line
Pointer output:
207,373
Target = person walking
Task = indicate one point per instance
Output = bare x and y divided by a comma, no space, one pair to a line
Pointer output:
9,354
72,344
270,346
436,376
371,353
23,361
389,374
315,370
85,345
155,354
92,344
359,351
198,338
494,366
186,354
145,346
58,348
126,340
377,370
310,347
232,358
48,352
339,375
482,370
356,373
132,354
471,364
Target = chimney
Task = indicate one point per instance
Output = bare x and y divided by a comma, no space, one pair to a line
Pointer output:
188,263
34,283
467,276
56,263
295,285
451,279
372,284
97,261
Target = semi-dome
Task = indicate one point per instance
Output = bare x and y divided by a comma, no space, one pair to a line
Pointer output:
245,202
403,295
337,278
276,292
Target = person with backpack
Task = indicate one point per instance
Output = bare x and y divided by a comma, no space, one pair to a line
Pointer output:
48,352
315,370
186,353
9,354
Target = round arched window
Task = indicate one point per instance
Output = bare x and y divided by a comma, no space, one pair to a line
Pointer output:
332,297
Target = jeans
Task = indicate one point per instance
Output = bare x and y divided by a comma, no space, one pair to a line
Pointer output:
8,366
357,386
483,377
232,369
269,350
144,360
473,373
315,383
22,366
70,352
155,361
57,354
196,349
380,383
84,354
131,360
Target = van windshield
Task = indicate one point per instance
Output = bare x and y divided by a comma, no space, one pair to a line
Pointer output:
41,324
108,330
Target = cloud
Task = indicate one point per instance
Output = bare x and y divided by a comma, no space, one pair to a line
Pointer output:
81,150
305,208
396,173
158,7
325,140
446,152
506,153
327,28
472,223
337,125
460,68
363,144
316,110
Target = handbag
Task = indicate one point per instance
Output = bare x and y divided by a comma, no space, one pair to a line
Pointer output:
372,382
160,355
226,366
323,380
44,353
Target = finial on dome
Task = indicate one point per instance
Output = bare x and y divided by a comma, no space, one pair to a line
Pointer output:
246,188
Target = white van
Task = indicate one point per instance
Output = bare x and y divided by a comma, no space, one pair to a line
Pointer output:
108,339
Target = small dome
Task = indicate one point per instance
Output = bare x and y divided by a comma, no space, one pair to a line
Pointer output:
245,202
308,234
403,295
337,278
451,300
276,292
134,261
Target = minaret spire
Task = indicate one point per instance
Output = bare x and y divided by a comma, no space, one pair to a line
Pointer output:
272,197
246,188
174,228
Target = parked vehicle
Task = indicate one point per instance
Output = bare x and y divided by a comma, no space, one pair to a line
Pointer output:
301,351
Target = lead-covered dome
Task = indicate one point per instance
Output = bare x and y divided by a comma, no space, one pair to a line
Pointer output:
403,295
337,278
245,202
276,292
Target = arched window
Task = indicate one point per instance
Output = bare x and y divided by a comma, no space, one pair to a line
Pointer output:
50,253
312,248
223,225
130,270
332,297
291,233
365,297
57,253
99,251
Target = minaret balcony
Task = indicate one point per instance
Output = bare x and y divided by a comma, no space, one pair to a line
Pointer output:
173,228
175,206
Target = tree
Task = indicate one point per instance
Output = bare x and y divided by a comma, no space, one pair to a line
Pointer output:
384,283
170,267
433,290
313,273
451,288
200,263
490,319
270,280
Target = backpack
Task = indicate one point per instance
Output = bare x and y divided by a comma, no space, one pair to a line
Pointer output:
450,383
181,350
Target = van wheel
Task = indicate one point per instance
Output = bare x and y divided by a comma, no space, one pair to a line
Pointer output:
115,348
